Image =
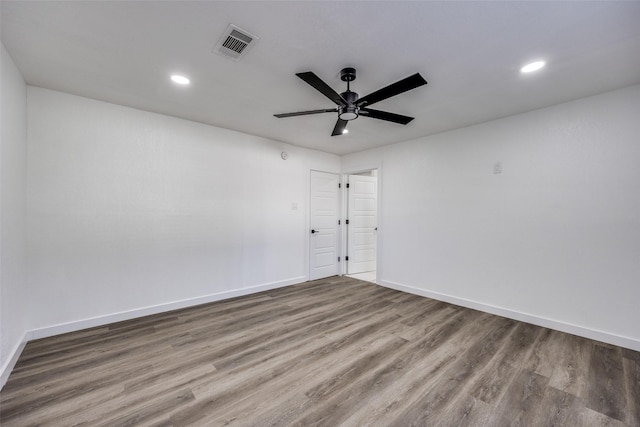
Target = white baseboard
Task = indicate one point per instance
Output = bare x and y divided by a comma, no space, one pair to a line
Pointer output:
6,369
160,308
581,331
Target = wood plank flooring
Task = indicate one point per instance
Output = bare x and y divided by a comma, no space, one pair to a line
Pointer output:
331,352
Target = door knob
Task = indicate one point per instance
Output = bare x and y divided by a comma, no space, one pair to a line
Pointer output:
313,231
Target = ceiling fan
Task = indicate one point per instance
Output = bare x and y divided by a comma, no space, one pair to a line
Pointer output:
350,106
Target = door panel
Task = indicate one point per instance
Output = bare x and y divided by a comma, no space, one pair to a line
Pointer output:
324,205
363,219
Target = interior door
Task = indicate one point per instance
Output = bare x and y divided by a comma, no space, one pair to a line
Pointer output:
363,222
323,239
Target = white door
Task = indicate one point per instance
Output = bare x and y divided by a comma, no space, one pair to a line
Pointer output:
323,225
363,222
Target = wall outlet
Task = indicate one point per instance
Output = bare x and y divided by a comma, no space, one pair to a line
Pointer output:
497,167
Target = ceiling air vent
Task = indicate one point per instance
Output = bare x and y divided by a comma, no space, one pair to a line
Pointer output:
235,42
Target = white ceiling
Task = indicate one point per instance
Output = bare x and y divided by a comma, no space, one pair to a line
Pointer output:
469,52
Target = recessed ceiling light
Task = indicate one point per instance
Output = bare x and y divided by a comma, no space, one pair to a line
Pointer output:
534,66
181,80
345,131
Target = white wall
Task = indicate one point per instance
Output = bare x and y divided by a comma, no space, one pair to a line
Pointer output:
129,210
554,239
13,166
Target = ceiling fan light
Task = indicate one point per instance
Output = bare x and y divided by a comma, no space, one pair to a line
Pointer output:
348,116
348,113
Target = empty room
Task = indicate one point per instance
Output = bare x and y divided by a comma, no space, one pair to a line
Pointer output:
335,213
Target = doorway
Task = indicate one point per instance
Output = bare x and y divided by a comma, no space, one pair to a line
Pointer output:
362,225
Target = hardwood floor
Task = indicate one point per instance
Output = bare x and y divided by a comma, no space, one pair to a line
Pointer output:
337,351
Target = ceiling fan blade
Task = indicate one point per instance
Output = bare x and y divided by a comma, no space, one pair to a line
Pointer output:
393,89
322,87
304,113
340,127
385,115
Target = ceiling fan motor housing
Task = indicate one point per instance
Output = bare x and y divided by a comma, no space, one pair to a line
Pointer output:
349,111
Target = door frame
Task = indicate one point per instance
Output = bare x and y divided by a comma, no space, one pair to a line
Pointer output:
343,232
